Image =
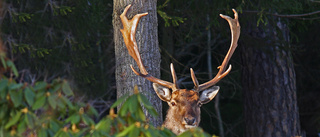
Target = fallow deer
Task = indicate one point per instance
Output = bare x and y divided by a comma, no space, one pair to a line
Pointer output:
184,105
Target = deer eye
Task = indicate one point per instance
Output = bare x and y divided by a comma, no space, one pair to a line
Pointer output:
173,103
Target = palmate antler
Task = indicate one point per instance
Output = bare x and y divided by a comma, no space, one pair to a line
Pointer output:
128,33
235,33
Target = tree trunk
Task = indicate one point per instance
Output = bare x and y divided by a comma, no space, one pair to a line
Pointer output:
147,40
2,48
269,84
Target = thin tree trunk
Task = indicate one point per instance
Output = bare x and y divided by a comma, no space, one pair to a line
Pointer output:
147,40
217,97
2,48
168,51
269,85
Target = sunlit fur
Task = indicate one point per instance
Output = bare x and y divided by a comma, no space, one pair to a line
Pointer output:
185,106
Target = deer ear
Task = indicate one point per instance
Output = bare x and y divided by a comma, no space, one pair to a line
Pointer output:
163,93
208,94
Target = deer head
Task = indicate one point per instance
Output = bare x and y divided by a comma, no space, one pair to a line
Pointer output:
184,105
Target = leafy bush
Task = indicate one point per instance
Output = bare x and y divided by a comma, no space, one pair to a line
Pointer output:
46,110
43,109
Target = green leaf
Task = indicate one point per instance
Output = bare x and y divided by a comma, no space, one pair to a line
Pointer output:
3,113
16,97
3,61
124,108
68,102
82,133
51,133
186,134
134,132
167,132
42,133
63,134
52,101
143,99
66,88
74,119
13,67
58,134
3,84
140,113
93,111
150,132
29,96
15,86
40,93
125,131
22,127
104,124
30,120
54,126
153,112
39,102
40,85
3,88
61,104
56,87
133,104
14,120
120,100
87,120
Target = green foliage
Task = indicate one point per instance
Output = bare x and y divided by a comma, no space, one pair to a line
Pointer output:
174,19
45,109
7,64
61,38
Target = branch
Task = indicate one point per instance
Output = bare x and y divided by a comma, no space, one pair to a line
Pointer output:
315,1
296,16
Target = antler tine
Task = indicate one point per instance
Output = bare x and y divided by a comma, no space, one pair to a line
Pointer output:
174,77
195,80
128,33
235,33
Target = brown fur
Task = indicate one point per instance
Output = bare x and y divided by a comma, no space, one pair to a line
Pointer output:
186,106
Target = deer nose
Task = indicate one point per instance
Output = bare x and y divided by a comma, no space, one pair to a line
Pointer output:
190,121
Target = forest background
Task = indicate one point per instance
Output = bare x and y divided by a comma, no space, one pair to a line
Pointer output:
73,40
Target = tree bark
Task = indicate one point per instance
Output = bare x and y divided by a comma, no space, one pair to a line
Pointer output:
269,84
147,40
